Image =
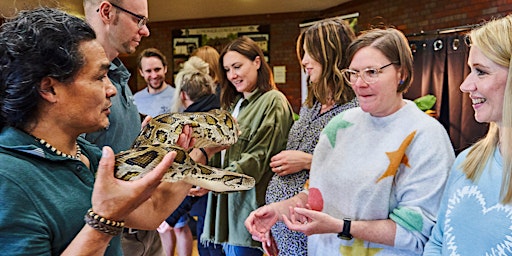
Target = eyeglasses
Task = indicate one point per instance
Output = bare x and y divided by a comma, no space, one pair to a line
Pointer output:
369,75
142,19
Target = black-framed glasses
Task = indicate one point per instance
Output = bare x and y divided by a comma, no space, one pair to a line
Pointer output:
369,75
142,19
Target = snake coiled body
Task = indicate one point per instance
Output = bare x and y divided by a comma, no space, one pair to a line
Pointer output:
159,136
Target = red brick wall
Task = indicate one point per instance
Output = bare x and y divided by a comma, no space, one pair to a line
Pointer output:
284,30
410,16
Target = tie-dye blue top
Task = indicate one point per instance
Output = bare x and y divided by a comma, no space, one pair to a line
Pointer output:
471,220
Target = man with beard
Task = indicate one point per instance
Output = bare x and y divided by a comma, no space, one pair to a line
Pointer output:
157,98
120,26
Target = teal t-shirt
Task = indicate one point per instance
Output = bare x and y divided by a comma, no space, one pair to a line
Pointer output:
43,197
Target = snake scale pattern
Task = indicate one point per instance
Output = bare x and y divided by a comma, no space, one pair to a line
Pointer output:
159,136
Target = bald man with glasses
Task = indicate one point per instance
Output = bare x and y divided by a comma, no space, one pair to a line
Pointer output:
120,25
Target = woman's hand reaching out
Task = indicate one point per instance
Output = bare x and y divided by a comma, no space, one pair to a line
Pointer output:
290,161
311,222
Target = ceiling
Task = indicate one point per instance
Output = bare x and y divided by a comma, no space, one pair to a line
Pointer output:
165,10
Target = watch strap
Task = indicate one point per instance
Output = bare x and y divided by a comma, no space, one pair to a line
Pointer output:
345,234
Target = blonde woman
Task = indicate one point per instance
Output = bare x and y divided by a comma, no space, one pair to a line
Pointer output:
478,196
193,93
211,56
195,87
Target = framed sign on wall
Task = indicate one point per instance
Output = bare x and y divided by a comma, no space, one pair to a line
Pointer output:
182,48
185,41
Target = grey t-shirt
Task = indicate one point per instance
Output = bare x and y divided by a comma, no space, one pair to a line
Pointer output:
155,104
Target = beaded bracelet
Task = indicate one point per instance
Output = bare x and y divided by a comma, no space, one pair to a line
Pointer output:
103,225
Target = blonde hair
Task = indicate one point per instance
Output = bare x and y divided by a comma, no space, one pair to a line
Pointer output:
211,56
494,40
194,80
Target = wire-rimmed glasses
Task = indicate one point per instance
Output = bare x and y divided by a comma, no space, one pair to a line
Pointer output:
369,75
142,19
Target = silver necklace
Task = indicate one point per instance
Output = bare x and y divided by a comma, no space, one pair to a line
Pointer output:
60,153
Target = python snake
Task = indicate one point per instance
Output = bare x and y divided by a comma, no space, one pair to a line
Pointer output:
159,136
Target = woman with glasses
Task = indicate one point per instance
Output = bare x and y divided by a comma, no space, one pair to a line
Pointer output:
478,196
378,170
328,95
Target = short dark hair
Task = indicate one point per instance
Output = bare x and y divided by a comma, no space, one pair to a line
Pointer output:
393,44
35,44
151,52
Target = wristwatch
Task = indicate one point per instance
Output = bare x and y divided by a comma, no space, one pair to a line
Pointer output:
345,234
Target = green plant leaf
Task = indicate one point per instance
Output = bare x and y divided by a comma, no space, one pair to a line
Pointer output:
425,102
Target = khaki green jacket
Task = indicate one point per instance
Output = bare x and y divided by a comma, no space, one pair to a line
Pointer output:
265,120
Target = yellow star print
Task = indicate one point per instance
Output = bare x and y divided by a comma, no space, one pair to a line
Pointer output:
358,249
398,157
